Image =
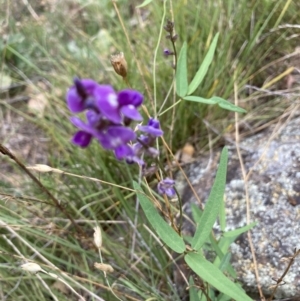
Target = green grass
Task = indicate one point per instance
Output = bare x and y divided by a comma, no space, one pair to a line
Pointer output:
76,38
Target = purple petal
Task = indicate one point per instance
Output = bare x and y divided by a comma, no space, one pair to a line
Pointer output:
168,182
130,97
115,136
170,192
83,126
79,93
151,130
75,103
135,159
131,112
88,84
166,187
154,123
93,118
123,151
153,152
82,139
107,103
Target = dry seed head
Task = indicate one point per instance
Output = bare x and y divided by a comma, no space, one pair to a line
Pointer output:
98,237
104,267
119,63
31,267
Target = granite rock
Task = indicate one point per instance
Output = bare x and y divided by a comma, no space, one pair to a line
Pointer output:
272,163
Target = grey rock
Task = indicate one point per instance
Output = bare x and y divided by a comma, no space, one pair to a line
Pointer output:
272,162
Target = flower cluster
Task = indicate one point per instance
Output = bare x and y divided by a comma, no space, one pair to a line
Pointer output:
108,117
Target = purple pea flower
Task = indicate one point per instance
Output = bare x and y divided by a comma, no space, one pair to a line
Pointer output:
86,130
80,96
143,145
114,136
168,52
126,152
153,128
113,105
166,186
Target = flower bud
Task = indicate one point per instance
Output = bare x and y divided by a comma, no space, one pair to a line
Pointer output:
119,63
98,237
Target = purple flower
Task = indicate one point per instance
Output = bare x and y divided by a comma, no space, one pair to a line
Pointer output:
168,52
86,130
166,186
107,117
129,100
143,145
114,136
80,95
153,128
113,106
125,151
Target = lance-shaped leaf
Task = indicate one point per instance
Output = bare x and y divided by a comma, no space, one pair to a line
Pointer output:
165,232
197,80
181,72
213,204
225,104
211,274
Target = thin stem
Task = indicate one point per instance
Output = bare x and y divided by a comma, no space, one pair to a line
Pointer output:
155,56
132,51
56,202
105,276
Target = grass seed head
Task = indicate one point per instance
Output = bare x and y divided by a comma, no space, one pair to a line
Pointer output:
98,237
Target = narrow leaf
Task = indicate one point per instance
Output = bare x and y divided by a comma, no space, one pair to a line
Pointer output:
211,274
196,212
220,257
181,72
225,104
222,217
204,66
146,2
239,231
216,100
166,233
213,204
199,99
193,290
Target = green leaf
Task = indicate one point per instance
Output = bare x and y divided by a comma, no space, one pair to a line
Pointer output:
225,104
193,290
181,72
146,2
225,262
240,231
213,204
218,262
196,212
166,233
197,80
211,274
216,100
199,99
222,217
